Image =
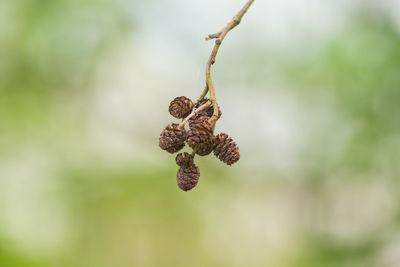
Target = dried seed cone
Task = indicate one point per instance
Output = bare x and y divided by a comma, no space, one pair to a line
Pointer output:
188,177
201,139
198,119
184,160
226,149
172,138
180,107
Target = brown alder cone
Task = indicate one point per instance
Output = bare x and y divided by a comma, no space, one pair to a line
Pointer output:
210,109
180,107
188,177
198,119
184,159
226,149
172,138
201,138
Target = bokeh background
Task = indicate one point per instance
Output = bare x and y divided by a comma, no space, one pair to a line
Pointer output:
309,89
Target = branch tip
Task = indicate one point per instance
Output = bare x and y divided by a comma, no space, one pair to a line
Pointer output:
219,36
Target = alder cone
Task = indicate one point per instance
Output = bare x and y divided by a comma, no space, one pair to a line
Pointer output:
210,109
184,160
172,138
198,119
180,107
226,149
201,139
188,177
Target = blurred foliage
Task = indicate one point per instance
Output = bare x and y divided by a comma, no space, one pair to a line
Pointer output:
325,252
50,45
360,68
49,50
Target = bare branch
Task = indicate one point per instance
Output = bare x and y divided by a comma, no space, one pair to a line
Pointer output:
202,107
219,36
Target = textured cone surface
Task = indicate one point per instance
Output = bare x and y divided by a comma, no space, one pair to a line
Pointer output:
210,110
172,138
201,139
226,149
184,159
180,107
198,119
188,177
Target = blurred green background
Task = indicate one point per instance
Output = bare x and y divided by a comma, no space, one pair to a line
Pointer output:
310,90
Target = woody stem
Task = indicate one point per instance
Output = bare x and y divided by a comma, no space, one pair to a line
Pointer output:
202,107
219,36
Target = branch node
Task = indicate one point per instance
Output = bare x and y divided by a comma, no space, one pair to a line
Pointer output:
214,35
236,20
202,107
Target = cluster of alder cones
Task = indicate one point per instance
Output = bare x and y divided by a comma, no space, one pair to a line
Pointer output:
200,137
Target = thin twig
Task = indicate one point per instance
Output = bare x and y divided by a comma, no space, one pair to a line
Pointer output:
203,94
214,35
219,36
202,107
